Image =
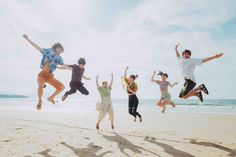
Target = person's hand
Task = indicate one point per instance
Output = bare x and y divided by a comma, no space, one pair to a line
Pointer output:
218,55
176,46
25,36
88,78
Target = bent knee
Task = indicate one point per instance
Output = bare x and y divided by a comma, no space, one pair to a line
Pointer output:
61,88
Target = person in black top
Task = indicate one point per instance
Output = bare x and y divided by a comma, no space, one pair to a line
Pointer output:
77,75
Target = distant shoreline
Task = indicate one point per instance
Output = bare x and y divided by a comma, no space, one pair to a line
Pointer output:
12,96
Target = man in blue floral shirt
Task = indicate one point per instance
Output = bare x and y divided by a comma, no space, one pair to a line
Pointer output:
50,62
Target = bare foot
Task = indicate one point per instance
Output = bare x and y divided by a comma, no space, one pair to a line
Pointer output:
135,119
140,119
173,104
163,110
39,105
112,126
97,126
51,100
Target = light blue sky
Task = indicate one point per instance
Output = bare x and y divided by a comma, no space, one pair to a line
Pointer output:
113,34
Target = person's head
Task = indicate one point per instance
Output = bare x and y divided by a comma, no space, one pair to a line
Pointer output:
105,84
186,54
132,78
58,48
81,62
164,76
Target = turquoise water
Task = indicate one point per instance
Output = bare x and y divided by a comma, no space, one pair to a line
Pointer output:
210,106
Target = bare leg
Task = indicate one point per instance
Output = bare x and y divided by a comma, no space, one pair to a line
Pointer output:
173,104
112,124
59,88
193,92
164,103
51,98
159,102
40,94
97,125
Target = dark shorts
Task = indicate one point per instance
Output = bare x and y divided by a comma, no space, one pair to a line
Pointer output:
188,86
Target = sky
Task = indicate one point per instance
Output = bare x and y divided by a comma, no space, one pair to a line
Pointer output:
114,34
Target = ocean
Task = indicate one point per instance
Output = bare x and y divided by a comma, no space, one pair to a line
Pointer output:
209,106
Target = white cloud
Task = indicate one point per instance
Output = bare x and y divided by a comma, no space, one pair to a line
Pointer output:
142,37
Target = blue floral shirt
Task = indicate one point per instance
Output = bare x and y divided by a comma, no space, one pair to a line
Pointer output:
50,56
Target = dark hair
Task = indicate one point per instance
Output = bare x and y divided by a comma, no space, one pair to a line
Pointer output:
134,76
165,74
186,51
161,73
57,45
82,61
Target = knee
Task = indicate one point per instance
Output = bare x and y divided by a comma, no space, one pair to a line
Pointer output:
40,86
61,88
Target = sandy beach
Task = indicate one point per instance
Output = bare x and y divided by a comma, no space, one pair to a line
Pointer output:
51,133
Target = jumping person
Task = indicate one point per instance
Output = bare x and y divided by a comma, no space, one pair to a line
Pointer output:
50,61
165,95
188,65
106,105
133,99
77,75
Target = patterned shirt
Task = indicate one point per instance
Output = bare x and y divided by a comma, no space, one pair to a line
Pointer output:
52,58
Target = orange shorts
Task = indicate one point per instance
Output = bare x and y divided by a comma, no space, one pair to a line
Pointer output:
47,77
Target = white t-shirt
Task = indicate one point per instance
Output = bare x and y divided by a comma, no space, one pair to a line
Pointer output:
188,66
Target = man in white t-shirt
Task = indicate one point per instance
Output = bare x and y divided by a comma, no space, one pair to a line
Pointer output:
188,65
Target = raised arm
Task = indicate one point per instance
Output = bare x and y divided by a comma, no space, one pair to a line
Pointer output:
32,43
176,50
212,57
98,86
152,79
125,74
111,81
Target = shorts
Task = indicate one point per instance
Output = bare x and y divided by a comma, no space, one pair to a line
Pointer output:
47,77
188,86
165,95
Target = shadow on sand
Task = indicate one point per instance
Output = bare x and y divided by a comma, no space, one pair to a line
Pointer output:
168,149
126,144
89,151
45,153
232,152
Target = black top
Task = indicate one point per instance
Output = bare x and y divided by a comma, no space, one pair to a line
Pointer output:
77,73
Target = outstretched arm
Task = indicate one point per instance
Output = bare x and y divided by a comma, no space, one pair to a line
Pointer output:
32,43
174,84
125,74
111,81
98,86
64,67
212,57
86,78
176,50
